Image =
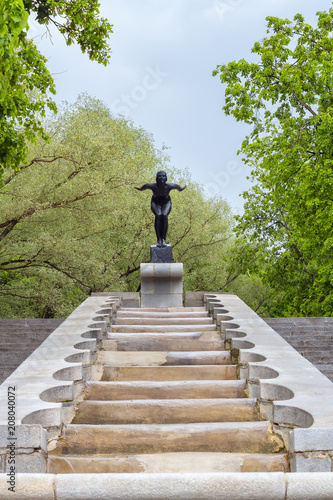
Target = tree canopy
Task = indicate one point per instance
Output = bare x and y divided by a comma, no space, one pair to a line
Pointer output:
72,223
26,85
286,95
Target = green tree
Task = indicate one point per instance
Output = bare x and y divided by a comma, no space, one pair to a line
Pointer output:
72,223
25,82
286,95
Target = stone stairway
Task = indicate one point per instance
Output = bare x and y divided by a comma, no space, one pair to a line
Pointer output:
165,398
19,338
311,337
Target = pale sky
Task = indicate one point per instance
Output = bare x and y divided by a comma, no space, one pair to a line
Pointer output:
160,75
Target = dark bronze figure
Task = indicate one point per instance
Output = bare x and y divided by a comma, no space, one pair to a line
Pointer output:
161,204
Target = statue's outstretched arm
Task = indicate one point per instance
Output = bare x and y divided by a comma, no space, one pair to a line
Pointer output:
176,186
145,186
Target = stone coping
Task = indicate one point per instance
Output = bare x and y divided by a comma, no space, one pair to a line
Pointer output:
292,392
128,299
47,382
174,486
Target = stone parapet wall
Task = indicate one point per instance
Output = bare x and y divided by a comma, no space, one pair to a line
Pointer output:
311,337
19,338
128,299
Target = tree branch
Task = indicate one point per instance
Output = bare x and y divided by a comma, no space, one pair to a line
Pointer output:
203,245
66,273
35,160
129,271
261,303
10,225
306,106
68,202
17,295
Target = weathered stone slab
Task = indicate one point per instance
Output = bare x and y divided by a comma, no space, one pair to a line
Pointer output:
170,411
199,463
245,437
314,486
134,344
159,373
310,462
143,313
115,336
29,487
214,486
160,358
27,436
201,389
175,486
32,463
162,328
164,321
312,439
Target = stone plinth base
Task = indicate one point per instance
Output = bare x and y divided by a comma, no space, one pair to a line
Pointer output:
161,254
161,285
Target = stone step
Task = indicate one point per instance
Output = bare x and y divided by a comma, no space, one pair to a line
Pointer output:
162,328
166,373
198,389
169,462
302,327
166,411
134,344
315,345
299,322
164,358
317,357
142,313
157,336
313,337
208,335
230,437
314,349
326,366
306,334
165,309
163,321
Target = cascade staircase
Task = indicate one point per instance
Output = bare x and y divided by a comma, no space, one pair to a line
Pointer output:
164,398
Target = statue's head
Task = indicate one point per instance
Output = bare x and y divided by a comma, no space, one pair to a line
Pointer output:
161,177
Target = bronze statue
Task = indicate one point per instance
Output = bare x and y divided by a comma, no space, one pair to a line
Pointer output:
161,204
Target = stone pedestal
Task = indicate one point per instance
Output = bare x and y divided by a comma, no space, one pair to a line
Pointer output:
161,285
161,254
